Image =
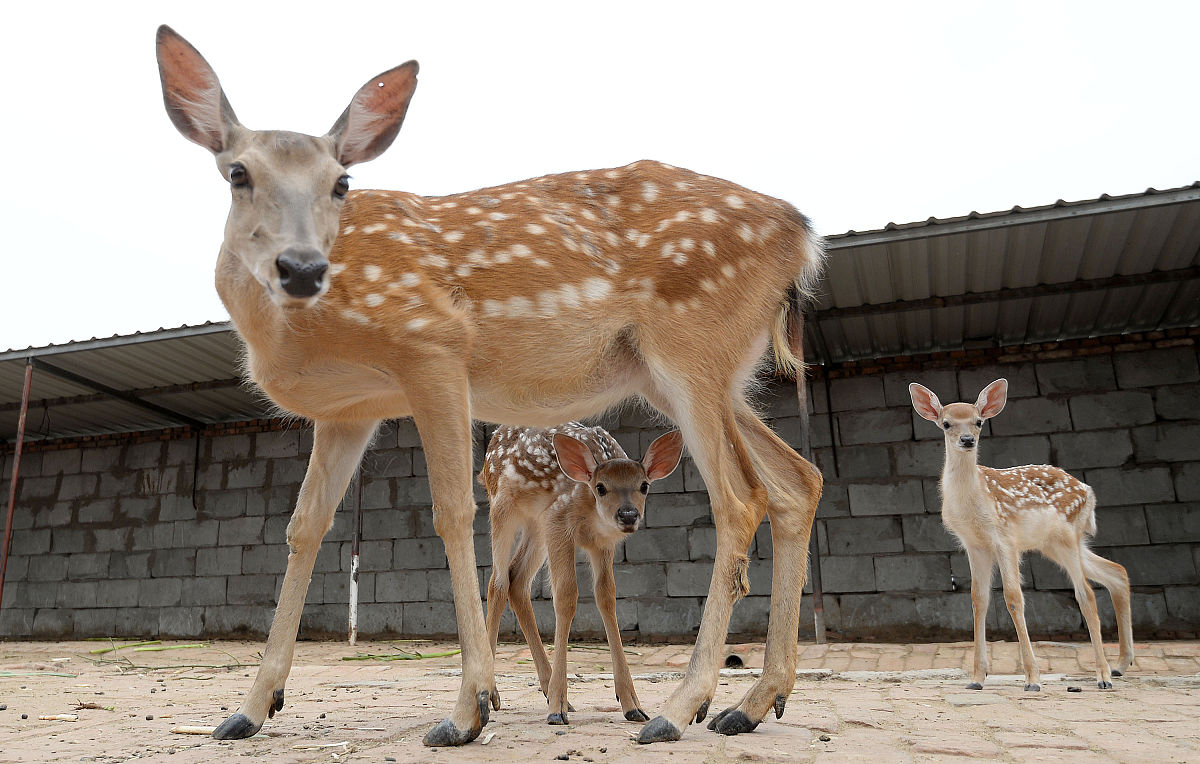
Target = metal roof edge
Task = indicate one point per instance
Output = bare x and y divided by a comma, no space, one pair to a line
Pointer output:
1016,216
215,327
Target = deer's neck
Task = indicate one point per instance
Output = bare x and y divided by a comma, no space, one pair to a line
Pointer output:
960,475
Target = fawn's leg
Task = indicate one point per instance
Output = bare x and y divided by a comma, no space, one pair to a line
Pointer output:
1010,574
337,450
1113,577
981,594
526,563
605,592
1071,560
504,531
566,598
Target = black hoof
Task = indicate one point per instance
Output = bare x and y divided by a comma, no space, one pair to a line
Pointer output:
1033,688
975,686
636,715
495,695
445,734
732,721
659,730
276,704
780,702
236,727
1104,685
1117,672
556,719
702,712
570,708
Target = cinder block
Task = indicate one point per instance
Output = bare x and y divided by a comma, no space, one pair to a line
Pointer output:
943,383
1076,375
218,561
1167,442
875,426
250,590
671,617
228,448
1022,380
1156,565
241,531
1120,526
677,510
1187,481
53,623
864,462
16,622
119,482
177,507
1183,603
1173,523
67,540
895,498
99,459
1142,485
151,537
419,554
1166,366
129,565
394,462
640,580
1177,401
847,574
413,491
1098,448
18,567
67,461
919,458
864,536
856,393
877,614
120,593
402,586
253,621
1014,451
179,622
701,545
30,542
246,475
336,588
89,565
55,515
159,592
138,508
260,559
222,504
1119,408
430,619
1024,416
31,488
97,511
76,594
656,544
48,567
139,456
927,533
749,617
688,579
913,572
277,444
406,434
380,621
77,486
287,471
835,501
32,594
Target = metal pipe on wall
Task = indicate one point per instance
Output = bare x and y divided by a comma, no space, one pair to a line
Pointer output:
16,472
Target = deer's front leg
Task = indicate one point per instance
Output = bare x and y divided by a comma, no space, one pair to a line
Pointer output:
566,598
981,592
605,592
442,416
337,450
1010,574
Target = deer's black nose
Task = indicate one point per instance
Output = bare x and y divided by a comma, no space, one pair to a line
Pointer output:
301,271
627,516
967,441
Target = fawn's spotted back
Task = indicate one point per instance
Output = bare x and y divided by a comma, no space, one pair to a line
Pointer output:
526,456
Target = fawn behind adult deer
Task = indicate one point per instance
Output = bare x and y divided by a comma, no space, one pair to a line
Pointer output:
553,491
532,304
997,514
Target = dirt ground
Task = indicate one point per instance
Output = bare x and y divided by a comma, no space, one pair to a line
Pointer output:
852,702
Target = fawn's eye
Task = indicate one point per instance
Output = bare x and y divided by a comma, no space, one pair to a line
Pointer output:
946,425
238,176
979,423
644,488
341,187
601,489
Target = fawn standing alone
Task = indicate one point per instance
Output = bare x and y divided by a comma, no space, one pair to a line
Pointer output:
998,514
561,489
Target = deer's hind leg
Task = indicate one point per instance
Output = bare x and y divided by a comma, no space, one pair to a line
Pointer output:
526,563
794,487
705,415
1070,558
605,589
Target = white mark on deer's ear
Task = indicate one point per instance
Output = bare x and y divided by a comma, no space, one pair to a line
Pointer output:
372,272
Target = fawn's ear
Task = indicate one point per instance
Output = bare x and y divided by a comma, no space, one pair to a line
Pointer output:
925,402
991,401
192,94
574,458
662,457
370,123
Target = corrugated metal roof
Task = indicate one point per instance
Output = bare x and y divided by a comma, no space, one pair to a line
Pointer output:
1072,269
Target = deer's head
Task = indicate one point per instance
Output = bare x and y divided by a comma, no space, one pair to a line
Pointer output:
619,486
287,188
961,423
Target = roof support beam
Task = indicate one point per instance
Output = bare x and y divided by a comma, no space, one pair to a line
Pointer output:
77,400
120,395
1014,293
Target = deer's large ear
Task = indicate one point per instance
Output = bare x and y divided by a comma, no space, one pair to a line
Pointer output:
370,123
192,93
992,399
925,402
574,458
662,457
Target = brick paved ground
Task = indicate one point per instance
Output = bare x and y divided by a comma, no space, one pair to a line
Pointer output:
877,702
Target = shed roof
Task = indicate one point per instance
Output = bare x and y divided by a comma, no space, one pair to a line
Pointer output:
1071,269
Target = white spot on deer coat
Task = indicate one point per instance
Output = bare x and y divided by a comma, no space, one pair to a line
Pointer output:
374,228
453,236
535,229
347,230
596,288
734,202
373,300
336,268
355,316
372,272
417,324
649,191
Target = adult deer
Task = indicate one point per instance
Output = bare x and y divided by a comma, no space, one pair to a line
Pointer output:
531,304
997,514
553,491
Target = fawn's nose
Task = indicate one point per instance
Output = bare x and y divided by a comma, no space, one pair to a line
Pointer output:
967,441
628,516
301,271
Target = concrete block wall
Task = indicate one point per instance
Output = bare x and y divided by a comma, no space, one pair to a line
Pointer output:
148,536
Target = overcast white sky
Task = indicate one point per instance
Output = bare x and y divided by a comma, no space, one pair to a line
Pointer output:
857,113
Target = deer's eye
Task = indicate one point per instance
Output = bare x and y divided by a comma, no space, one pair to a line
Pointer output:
644,488
946,425
341,187
601,489
238,176
979,423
